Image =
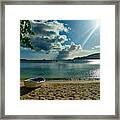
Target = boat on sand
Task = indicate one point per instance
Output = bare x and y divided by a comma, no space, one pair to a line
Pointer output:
34,82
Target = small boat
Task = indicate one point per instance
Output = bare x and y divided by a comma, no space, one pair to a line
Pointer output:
34,82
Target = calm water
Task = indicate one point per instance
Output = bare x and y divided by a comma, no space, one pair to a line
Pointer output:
78,70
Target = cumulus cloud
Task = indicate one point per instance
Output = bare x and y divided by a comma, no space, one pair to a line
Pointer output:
50,36
63,54
46,26
68,50
41,43
47,35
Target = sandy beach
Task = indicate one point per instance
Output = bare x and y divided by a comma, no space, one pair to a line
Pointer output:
63,90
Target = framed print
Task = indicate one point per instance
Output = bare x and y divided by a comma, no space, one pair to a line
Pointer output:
60,60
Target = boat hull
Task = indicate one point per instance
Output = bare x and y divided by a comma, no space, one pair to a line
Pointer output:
31,83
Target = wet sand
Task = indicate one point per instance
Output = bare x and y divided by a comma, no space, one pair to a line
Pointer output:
62,90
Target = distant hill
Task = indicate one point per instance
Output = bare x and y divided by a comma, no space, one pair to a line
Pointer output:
25,60
93,56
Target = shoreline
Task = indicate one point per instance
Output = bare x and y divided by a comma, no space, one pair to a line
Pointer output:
63,90
64,81
49,79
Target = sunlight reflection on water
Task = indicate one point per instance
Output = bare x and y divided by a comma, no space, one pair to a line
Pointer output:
80,70
94,62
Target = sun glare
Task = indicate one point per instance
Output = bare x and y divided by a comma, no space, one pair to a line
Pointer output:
96,25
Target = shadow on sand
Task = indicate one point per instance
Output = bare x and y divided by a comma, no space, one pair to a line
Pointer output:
24,90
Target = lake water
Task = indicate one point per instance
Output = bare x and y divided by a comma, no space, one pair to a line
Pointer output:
88,69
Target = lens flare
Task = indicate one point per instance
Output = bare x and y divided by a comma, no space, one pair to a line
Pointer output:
91,33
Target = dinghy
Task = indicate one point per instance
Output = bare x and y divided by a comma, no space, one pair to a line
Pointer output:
34,82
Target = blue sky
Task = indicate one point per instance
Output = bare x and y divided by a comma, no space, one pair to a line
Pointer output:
63,39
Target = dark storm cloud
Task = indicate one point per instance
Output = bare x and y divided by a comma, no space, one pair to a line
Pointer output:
41,43
47,35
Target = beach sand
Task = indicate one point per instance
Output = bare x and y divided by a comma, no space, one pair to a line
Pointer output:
63,90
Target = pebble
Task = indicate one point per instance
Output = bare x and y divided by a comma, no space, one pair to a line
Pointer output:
68,91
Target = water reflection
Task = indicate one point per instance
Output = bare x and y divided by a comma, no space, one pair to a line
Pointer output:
76,70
